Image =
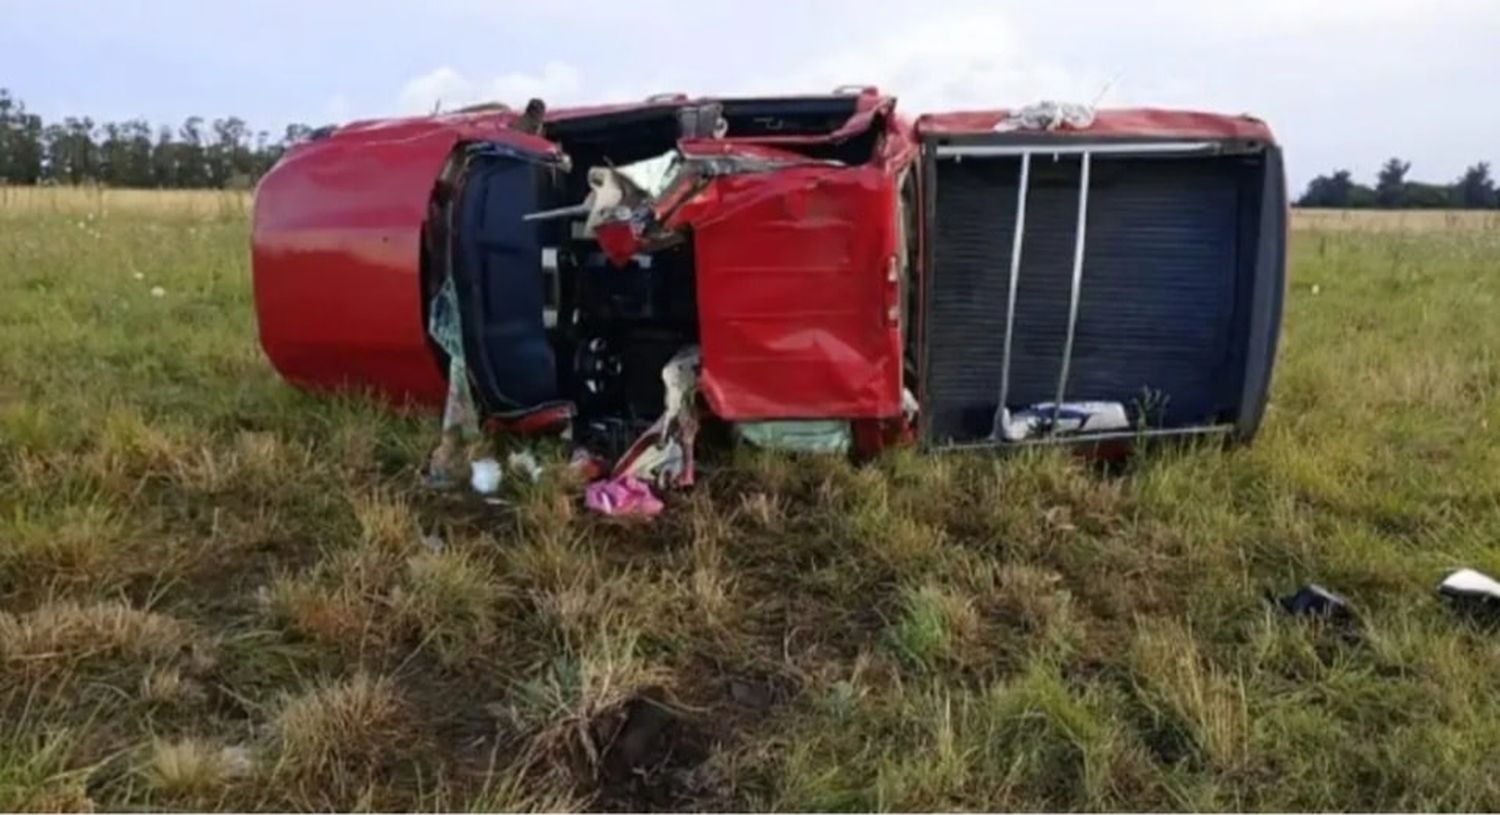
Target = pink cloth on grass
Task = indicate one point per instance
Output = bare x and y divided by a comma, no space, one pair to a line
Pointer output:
622,495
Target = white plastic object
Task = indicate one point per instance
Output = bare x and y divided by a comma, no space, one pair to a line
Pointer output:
484,476
1470,582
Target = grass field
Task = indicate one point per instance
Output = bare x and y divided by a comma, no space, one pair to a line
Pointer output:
215,591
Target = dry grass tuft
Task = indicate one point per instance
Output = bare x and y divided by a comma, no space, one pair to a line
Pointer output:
563,706
347,730
451,602
386,523
193,770
61,636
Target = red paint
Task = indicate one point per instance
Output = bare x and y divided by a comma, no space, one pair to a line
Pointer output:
543,420
796,303
618,241
336,251
793,265
793,295
1140,123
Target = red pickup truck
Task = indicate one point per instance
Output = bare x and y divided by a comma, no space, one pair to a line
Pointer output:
971,278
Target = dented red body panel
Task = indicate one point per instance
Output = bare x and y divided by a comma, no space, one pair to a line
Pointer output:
796,302
336,249
798,316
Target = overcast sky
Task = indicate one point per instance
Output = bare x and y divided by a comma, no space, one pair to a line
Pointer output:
1344,83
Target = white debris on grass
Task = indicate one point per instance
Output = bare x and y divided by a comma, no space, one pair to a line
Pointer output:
523,462
485,476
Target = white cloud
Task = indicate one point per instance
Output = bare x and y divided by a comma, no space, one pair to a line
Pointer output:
973,58
1294,17
433,89
446,88
1342,82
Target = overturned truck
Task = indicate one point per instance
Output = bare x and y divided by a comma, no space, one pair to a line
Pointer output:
835,275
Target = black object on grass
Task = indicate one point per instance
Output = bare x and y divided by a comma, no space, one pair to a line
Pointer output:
1313,600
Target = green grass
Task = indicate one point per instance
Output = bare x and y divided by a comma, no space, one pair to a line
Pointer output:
214,591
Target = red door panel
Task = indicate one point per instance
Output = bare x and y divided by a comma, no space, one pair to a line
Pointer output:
797,309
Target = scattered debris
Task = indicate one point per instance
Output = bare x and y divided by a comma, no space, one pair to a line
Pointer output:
460,415
586,465
653,175
433,543
1313,600
1048,115
484,476
628,208
237,761
663,455
158,291
910,407
798,436
622,495
1070,417
523,462
1473,592
139,276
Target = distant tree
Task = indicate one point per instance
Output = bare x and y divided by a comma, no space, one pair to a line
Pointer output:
1362,197
190,161
226,152
164,159
228,155
295,133
1390,184
21,149
1419,195
114,161
72,155
1328,190
137,135
1475,189
8,113
1336,191
125,154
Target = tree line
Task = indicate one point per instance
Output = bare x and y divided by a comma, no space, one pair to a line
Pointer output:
1475,189
222,153
226,153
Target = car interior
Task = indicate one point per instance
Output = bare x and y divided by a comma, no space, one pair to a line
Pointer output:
546,317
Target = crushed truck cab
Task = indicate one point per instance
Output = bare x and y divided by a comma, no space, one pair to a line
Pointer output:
968,279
